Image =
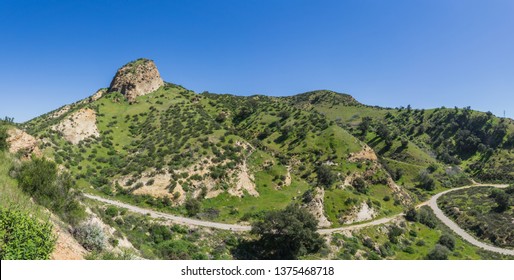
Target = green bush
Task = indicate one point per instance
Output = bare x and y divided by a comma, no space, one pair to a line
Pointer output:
111,211
325,176
193,207
448,241
426,217
23,237
3,138
39,178
177,250
439,252
287,234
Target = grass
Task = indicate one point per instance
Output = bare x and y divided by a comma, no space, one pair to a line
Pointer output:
11,196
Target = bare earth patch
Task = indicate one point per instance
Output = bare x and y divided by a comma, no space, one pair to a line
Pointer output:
363,213
66,247
79,126
245,181
366,154
315,207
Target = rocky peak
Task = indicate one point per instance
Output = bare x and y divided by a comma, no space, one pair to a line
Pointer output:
136,78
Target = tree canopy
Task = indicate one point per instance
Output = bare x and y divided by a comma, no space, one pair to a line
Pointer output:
287,234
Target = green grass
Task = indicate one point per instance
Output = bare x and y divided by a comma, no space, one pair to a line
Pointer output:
11,196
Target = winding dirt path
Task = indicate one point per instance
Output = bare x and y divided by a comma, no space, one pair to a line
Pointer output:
432,203
457,229
170,217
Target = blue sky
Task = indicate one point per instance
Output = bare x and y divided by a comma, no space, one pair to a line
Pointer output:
389,53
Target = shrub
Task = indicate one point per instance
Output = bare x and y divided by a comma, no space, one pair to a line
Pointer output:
502,200
325,176
193,207
425,181
90,236
3,138
23,237
411,215
177,250
426,217
448,241
39,178
111,211
360,185
439,252
287,234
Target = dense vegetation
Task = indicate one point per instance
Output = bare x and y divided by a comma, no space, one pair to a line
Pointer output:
155,240
286,234
40,179
25,230
23,237
485,212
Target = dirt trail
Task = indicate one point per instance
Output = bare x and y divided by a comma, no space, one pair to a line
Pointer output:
432,202
458,230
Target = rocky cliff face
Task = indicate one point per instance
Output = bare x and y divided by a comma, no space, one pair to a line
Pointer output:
19,141
137,78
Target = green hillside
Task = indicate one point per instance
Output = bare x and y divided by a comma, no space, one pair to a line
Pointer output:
233,159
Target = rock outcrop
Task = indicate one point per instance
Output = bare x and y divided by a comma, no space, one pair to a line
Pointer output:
136,78
20,141
97,95
315,207
78,126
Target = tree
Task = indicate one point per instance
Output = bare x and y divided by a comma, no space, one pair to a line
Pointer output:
439,252
383,132
325,176
425,181
502,200
364,125
411,215
426,217
360,185
447,241
287,234
283,115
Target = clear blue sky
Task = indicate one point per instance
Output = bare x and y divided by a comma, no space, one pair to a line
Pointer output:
428,53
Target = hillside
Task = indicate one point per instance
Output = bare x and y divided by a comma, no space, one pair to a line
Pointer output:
231,159
167,146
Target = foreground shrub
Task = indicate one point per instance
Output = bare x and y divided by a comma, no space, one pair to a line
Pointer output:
23,237
90,236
